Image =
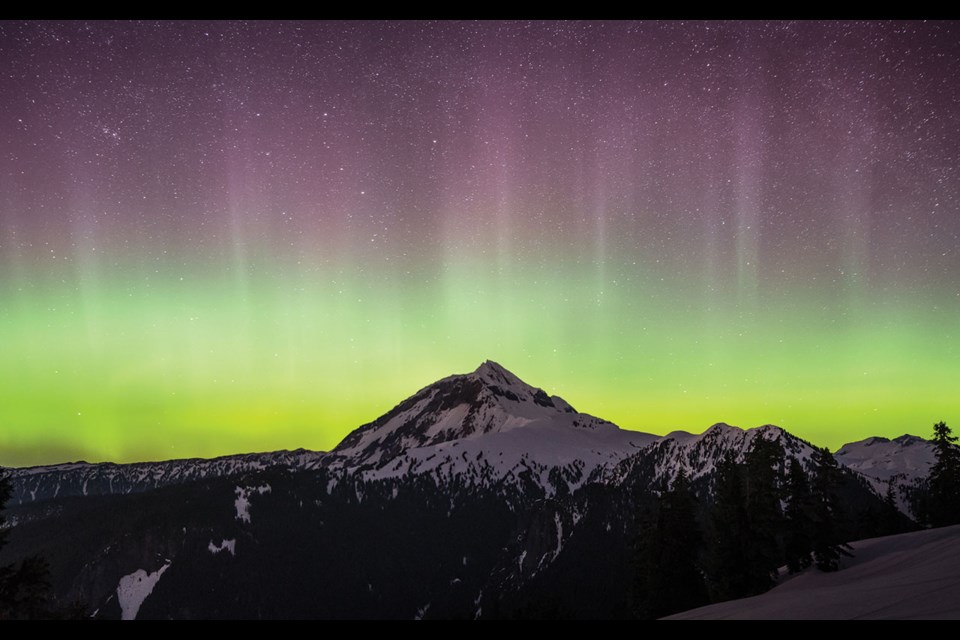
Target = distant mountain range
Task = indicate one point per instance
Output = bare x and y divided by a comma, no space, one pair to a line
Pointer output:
478,496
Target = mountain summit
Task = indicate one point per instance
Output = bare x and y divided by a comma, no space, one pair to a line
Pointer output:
504,385
488,412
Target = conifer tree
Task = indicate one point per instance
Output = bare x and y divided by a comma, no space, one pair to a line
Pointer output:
671,578
763,492
798,516
943,483
891,520
730,527
24,586
747,522
828,547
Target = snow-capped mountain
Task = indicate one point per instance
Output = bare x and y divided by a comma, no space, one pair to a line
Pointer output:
699,454
490,426
903,462
909,457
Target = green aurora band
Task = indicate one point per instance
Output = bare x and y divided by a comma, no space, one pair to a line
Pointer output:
206,364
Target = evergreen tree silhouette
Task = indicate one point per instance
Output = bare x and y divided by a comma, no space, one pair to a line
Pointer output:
24,586
798,540
763,492
890,520
828,547
747,522
943,483
670,578
729,544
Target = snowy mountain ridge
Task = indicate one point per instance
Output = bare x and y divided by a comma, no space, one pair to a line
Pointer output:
32,484
898,464
489,427
698,454
883,458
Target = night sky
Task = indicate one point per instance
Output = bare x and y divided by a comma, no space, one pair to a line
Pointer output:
228,237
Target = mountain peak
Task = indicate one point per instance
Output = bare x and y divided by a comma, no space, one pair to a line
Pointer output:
495,373
489,368
506,386
908,440
489,400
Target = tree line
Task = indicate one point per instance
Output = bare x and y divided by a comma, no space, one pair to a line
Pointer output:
24,585
769,512
937,502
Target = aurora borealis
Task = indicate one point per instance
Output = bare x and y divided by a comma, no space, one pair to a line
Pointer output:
227,237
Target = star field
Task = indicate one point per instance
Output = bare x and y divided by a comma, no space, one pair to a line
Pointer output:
220,237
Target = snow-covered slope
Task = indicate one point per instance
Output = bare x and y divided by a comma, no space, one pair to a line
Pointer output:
698,455
909,457
486,426
903,461
908,576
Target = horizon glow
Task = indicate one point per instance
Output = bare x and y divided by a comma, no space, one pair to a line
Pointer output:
222,237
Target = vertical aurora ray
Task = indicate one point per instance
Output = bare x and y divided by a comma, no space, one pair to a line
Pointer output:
222,237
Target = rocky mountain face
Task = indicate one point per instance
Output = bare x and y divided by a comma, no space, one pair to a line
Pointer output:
478,496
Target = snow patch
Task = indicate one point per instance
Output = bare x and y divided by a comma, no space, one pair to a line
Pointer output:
559,523
134,589
422,611
242,503
225,545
